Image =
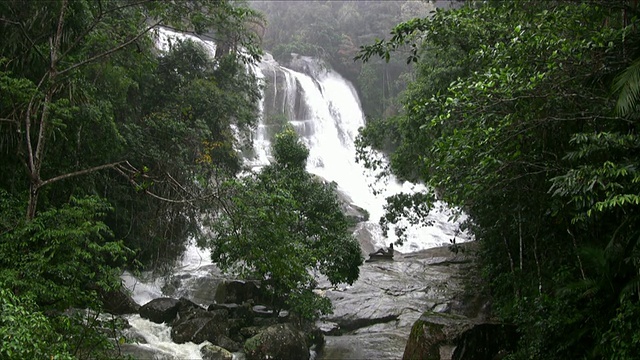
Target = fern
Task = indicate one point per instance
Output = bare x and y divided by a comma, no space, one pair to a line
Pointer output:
627,85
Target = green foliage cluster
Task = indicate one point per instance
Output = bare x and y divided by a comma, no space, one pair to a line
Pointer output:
282,226
107,148
523,114
27,333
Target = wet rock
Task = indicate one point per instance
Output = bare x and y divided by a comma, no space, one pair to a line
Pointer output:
228,343
437,336
328,328
250,331
236,291
199,330
119,302
433,336
486,341
161,310
377,312
188,310
214,352
278,342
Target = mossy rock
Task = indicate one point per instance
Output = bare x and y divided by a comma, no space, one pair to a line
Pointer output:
277,342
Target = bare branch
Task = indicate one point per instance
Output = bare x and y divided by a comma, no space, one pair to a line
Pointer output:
81,172
130,169
55,46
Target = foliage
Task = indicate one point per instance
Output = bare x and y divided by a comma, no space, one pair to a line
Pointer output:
281,226
511,119
109,114
102,137
26,333
62,257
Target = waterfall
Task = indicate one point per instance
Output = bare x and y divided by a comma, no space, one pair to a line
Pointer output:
325,110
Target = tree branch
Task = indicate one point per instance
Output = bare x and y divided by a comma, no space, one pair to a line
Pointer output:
110,51
81,172
99,18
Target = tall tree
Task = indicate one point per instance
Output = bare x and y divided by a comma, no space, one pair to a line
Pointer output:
282,225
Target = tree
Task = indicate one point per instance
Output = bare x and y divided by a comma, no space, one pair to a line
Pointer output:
106,145
110,115
281,226
511,119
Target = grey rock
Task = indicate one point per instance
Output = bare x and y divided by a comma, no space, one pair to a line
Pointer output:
214,352
236,291
199,330
161,310
277,342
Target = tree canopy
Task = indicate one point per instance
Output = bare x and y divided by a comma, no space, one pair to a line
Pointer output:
513,118
282,226
107,144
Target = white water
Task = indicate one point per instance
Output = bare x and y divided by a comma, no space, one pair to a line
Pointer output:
329,126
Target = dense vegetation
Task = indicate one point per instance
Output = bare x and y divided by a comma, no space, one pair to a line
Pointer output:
524,114
116,144
283,226
107,148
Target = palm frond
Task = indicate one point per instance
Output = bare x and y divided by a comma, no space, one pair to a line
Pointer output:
631,288
627,85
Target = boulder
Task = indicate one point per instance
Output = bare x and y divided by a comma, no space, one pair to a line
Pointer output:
433,336
250,331
188,310
438,336
243,312
277,342
160,310
199,330
236,291
486,341
227,343
119,302
214,352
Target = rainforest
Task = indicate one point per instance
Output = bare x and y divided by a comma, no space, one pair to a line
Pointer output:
120,147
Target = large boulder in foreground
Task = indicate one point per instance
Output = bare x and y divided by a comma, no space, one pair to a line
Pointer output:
438,336
119,302
160,310
195,324
277,342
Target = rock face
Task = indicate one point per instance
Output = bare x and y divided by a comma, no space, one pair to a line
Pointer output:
160,310
438,336
461,329
277,342
373,318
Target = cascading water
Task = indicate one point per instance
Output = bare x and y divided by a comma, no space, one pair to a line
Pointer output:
325,111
